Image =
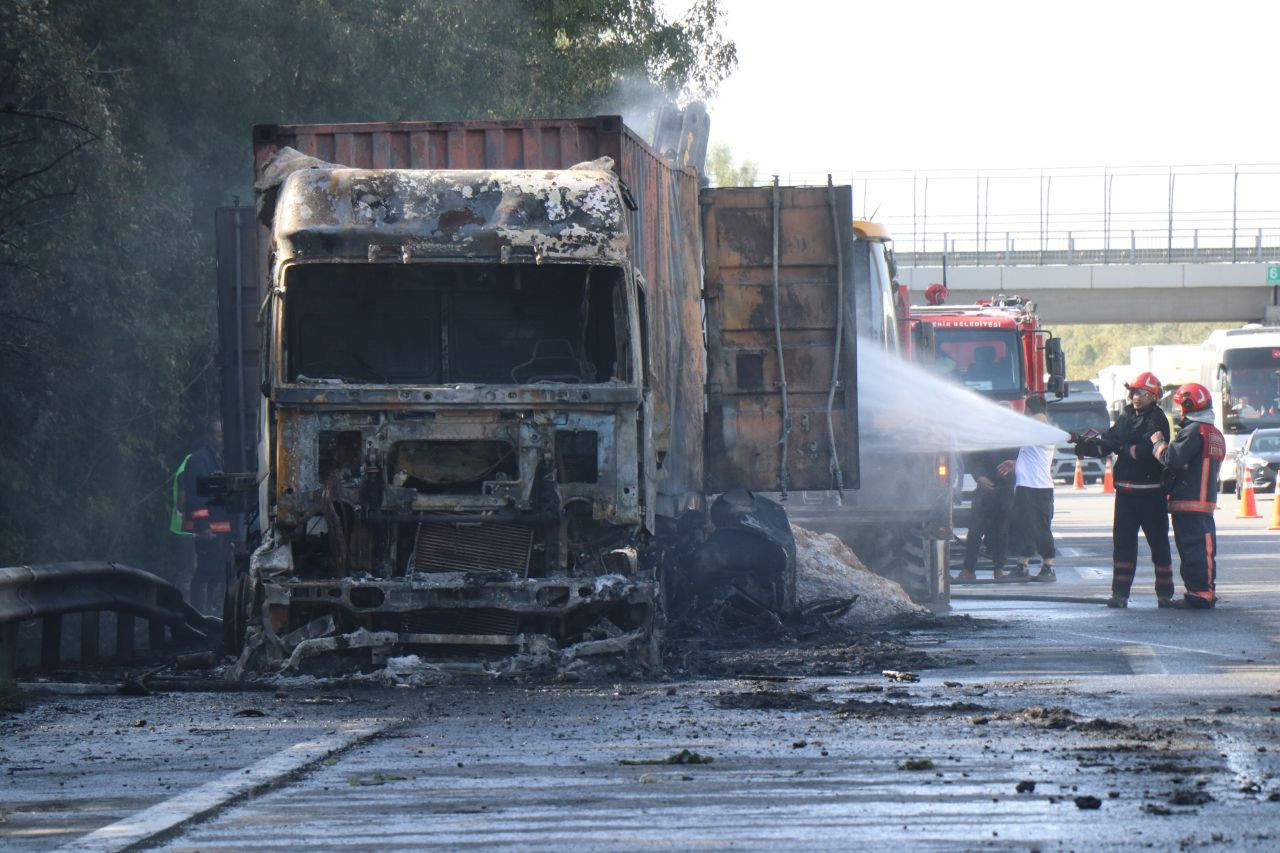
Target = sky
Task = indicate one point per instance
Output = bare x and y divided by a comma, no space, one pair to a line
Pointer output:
885,91
984,84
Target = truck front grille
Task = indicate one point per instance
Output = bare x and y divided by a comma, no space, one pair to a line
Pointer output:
479,547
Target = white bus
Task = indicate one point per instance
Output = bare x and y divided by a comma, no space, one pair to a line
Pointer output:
1241,367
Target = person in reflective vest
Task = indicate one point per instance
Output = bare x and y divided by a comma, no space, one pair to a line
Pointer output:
1193,460
208,523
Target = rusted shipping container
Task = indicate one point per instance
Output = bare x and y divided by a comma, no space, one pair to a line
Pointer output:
781,381
662,223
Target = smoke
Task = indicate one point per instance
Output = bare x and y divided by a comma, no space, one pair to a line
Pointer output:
904,405
639,101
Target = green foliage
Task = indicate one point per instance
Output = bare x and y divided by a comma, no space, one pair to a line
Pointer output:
723,172
1089,348
122,126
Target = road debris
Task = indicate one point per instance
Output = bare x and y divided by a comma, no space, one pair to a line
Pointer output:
899,675
828,569
1088,801
684,756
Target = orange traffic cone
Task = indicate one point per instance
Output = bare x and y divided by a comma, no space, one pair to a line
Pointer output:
1275,513
1108,479
1248,507
1078,485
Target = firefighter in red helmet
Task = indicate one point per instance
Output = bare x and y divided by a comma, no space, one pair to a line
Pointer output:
1141,503
1193,460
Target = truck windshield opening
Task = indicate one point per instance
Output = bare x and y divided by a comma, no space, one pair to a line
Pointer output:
981,359
430,325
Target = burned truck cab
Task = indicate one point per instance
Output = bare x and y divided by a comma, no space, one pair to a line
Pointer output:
454,431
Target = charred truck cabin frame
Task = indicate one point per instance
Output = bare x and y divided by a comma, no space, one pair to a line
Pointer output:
494,357
456,392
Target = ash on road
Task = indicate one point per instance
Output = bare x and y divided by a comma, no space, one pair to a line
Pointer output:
1037,725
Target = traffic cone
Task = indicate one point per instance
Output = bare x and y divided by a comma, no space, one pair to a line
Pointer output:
1275,512
1078,485
1108,479
1248,507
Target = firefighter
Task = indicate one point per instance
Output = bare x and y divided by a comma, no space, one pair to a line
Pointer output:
209,523
1193,460
1141,503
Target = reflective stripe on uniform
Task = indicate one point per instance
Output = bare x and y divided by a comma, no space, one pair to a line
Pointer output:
220,527
1192,506
200,513
1209,555
1124,485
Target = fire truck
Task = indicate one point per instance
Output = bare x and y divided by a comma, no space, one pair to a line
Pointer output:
995,347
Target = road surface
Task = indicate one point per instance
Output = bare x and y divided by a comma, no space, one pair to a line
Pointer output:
1041,725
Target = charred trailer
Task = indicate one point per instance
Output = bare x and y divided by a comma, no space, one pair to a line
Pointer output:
482,380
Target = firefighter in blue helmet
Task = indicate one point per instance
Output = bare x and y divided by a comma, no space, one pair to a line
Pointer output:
1193,460
208,524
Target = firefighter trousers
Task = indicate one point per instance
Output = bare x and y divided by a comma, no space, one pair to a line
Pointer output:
1196,536
1147,511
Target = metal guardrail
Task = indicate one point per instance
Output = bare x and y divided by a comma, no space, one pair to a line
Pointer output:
51,591
1189,211
1072,256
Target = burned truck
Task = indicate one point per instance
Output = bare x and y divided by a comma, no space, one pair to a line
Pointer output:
481,389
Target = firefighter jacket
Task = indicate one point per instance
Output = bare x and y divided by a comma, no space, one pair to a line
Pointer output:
1136,469
1193,460
198,515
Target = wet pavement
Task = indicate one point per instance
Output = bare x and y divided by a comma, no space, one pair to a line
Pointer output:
1033,725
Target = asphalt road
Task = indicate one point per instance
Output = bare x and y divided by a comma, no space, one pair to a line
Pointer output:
1167,718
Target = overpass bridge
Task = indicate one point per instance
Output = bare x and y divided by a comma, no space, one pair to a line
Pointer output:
1091,245
1081,289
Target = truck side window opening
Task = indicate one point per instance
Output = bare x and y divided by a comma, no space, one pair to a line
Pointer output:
417,324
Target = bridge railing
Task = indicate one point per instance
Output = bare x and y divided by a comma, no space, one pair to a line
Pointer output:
1028,248
1088,215
44,594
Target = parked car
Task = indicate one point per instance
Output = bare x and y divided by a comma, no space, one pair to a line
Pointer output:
1260,456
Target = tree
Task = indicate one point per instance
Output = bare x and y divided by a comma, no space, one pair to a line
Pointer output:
1089,348
119,135
723,172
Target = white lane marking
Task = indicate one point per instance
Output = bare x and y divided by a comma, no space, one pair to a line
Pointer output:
1127,641
1143,659
169,815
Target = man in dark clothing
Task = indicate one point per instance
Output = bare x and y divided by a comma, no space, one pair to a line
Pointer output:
1193,459
989,515
1140,495
209,522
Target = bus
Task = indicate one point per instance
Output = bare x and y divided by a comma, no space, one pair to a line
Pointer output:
1241,368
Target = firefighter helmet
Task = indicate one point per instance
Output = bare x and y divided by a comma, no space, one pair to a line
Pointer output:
1146,382
1192,397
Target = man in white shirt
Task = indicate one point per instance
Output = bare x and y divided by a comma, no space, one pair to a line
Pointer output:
1033,504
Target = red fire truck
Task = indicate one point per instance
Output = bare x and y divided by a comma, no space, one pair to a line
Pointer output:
995,347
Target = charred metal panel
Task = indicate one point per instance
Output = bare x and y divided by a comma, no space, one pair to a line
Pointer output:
662,224
572,215
744,382
240,289
333,456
